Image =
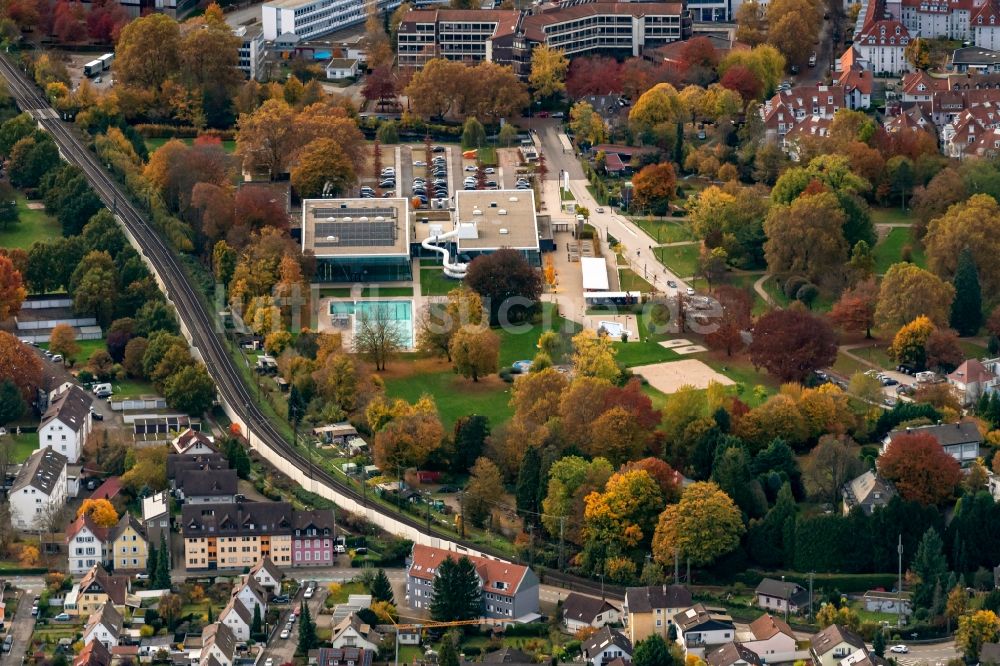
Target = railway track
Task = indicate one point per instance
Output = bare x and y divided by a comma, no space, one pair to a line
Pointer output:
206,335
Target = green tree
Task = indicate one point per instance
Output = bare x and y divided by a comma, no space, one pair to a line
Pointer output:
652,651
12,405
257,624
930,566
307,631
457,595
529,481
190,390
470,437
448,655
388,133
967,308
381,588
473,133
901,177
878,642
162,579
151,561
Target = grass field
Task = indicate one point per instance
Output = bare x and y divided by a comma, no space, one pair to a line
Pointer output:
666,230
131,388
630,281
34,225
154,144
681,259
367,292
847,366
647,350
893,215
822,303
434,283
87,348
22,446
890,250
454,395
516,345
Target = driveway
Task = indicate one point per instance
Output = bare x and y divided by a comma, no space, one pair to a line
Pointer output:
282,650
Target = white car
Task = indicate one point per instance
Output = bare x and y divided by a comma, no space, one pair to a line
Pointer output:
419,163
690,291
899,649
489,170
471,167
269,661
600,209
285,633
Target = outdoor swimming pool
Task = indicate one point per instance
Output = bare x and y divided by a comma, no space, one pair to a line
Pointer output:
321,55
399,312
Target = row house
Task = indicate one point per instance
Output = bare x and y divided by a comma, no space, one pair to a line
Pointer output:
700,629
313,539
218,645
97,588
105,626
509,591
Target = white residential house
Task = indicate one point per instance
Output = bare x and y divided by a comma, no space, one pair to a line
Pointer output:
770,638
238,619
581,611
193,443
104,625
883,44
779,596
700,629
267,575
606,646
251,594
67,423
86,544
218,643
834,644
39,490
355,633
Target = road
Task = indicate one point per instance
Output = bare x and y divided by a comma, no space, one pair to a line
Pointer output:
22,626
282,650
637,244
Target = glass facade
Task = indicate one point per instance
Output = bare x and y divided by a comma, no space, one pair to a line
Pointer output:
363,269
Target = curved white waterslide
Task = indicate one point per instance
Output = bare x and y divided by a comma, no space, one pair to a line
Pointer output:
452,270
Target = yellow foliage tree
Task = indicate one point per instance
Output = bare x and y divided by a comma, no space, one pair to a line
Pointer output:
703,526
100,511
594,356
548,71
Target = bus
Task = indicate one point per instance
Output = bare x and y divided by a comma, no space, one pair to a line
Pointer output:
106,60
93,68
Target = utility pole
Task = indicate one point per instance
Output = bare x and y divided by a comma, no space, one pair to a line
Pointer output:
811,574
787,601
899,584
677,567
461,509
562,524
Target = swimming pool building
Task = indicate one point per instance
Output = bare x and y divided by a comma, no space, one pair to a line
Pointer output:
374,240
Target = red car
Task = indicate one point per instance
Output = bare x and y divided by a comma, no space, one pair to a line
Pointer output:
543,114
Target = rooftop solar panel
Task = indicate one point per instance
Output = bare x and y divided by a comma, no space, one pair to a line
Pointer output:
355,234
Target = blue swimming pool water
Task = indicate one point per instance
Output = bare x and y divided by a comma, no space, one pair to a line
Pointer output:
322,55
400,312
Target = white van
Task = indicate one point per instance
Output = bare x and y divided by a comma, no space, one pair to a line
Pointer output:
58,358
102,390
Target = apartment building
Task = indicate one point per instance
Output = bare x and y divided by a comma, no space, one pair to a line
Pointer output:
510,591
468,35
67,423
39,490
508,37
252,52
309,19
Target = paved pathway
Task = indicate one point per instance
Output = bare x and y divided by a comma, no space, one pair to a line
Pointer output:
23,626
758,286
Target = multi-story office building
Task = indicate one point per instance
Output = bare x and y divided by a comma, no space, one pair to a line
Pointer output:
252,51
309,19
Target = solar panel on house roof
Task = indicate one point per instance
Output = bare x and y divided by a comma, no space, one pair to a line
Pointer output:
355,234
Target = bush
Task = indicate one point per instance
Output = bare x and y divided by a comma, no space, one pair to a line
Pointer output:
793,284
507,374
807,293
536,629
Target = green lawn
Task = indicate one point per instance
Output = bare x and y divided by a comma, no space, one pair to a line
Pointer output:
741,371
847,366
647,350
152,145
666,230
630,281
87,348
455,396
346,589
876,354
681,259
972,349
893,215
22,446
434,283
822,303
132,388
367,292
518,345
487,156
34,225
890,250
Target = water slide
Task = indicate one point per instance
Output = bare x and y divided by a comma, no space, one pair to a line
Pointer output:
452,270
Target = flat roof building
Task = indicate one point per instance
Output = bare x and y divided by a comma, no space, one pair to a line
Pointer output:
499,219
358,240
307,19
469,35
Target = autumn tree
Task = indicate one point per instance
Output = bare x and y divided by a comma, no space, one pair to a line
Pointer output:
323,169
625,513
702,527
587,125
918,53
731,218
548,71
593,356
475,349
19,364
148,52
100,511
379,335
655,114
654,186
666,477
734,318
740,79
380,85
751,26
593,75
975,630
806,238
441,320
571,479
622,435
920,468
909,345
791,344
536,396
944,353
855,310
62,341
508,284
831,464
765,61
482,492
965,227
407,441
907,292
12,291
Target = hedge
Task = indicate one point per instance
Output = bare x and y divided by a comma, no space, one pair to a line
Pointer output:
161,131
846,583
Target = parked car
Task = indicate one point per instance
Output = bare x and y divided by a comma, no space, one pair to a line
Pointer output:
489,170
285,633
438,149
62,617
420,163
447,489
471,167
142,576
269,661
600,209
97,416
671,284
899,649
690,291
340,548
281,599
